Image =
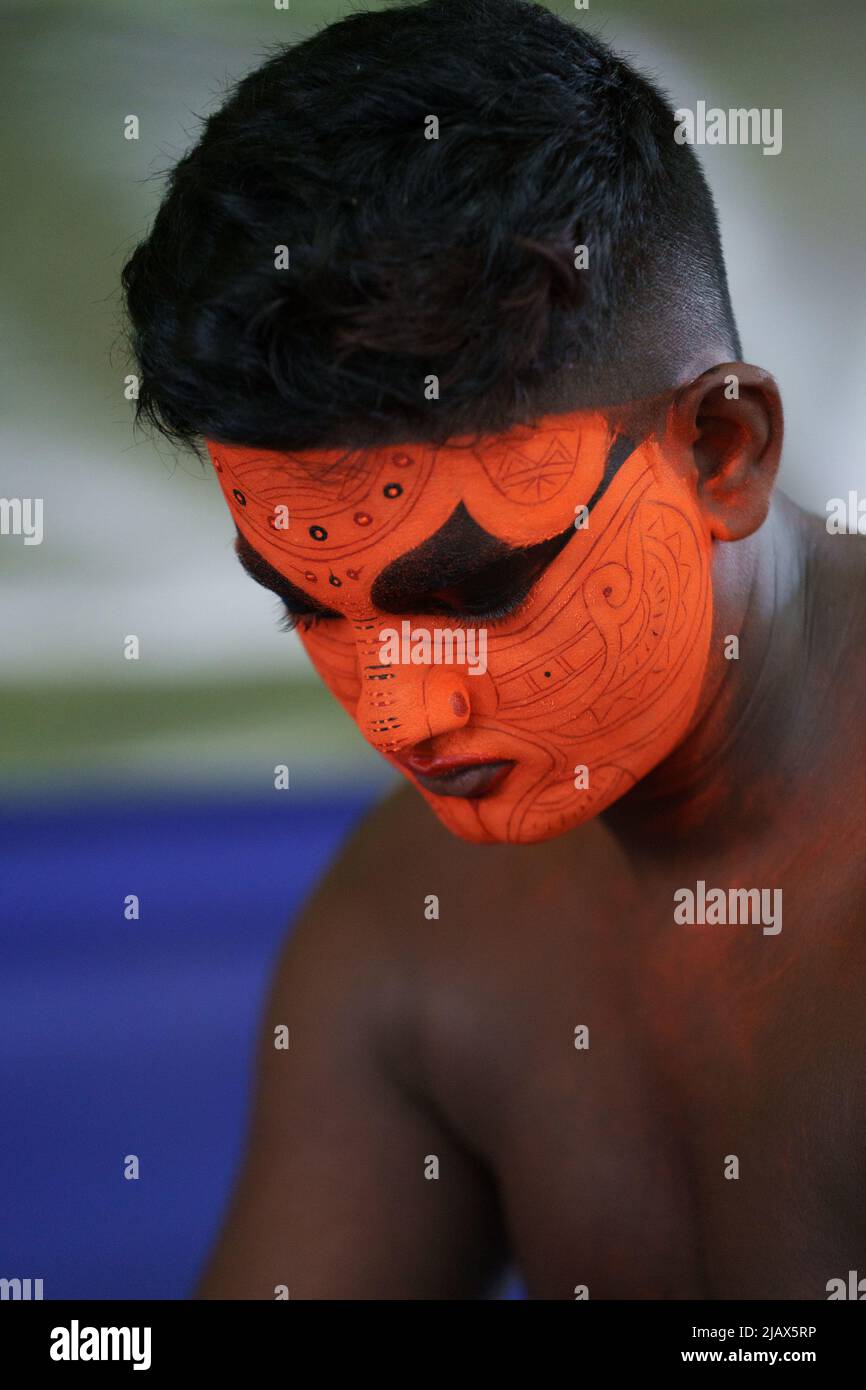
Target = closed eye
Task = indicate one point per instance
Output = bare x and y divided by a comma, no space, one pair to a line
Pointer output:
292,618
297,607
489,607
499,590
490,595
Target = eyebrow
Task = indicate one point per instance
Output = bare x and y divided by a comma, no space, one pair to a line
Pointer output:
460,551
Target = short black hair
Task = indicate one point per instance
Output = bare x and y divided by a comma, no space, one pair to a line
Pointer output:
414,257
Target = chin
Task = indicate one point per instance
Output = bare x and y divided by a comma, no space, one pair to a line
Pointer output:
509,818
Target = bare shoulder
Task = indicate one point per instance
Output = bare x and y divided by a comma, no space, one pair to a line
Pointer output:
836,631
400,857
332,1201
381,858
348,927
407,908
839,576
354,945
414,935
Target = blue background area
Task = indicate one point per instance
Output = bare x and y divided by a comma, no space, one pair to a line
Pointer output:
121,1037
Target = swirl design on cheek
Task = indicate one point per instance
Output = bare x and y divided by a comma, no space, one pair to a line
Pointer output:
604,673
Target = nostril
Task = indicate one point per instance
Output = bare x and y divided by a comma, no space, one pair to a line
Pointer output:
459,704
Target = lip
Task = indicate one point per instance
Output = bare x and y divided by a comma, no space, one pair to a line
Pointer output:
468,777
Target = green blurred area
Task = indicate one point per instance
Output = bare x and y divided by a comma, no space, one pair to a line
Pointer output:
192,734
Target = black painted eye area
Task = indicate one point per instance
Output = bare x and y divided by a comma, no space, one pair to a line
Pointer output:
496,591
305,618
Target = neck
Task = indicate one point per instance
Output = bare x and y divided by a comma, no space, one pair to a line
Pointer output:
727,777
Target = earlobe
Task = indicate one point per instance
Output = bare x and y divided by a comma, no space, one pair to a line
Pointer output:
730,420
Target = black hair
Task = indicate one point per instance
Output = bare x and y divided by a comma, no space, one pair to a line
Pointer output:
412,257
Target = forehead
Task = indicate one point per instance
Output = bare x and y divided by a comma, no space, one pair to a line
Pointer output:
331,517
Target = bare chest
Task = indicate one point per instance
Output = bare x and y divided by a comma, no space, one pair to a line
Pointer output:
670,1108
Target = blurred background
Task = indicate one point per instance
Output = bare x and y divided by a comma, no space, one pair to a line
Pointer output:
156,777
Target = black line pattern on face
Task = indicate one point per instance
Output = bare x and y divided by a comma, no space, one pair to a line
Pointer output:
621,449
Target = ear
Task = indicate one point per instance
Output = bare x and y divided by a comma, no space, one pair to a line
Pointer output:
729,421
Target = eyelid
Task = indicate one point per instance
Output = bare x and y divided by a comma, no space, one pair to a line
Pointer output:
262,574
513,604
290,620
509,606
492,615
495,615
292,617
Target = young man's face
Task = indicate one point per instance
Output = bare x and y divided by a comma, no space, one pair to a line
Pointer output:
520,625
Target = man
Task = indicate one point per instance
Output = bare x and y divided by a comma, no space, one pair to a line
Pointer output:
445,299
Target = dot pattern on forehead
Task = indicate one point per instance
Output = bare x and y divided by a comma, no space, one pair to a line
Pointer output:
369,506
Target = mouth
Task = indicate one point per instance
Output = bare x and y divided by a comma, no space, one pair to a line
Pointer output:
469,779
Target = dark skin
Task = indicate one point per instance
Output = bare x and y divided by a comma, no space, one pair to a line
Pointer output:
602,1167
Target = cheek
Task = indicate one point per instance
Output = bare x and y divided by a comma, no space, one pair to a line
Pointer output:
600,681
333,653
615,641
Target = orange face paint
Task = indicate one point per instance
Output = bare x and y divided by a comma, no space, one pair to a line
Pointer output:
584,689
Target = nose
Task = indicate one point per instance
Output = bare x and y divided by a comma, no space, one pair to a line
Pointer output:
401,705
